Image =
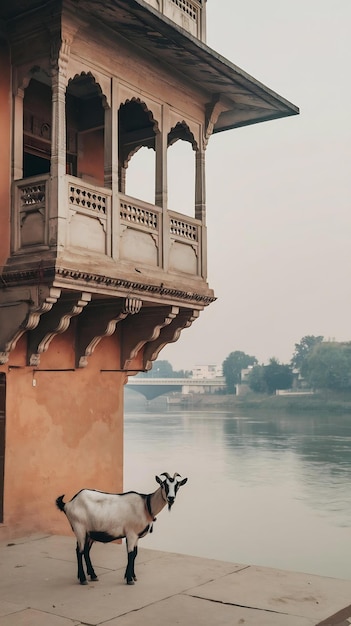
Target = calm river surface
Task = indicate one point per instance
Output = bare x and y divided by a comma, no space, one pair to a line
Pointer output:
269,490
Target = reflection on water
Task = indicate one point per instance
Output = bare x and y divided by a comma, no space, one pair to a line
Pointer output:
268,490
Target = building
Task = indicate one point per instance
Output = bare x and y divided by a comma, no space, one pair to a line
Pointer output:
206,371
95,283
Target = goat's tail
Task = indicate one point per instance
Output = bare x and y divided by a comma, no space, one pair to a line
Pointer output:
60,503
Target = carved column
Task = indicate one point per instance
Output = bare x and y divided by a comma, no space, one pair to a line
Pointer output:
59,203
200,204
200,185
111,163
202,17
161,187
17,151
122,178
161,161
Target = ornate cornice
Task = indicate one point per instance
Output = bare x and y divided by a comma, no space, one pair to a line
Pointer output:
133,286
43,274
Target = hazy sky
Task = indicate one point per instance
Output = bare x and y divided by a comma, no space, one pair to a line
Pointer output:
278,193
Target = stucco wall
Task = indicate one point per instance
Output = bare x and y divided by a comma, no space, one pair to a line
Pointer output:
63,434
5,125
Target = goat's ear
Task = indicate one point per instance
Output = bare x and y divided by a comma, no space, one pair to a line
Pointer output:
158,480
182,482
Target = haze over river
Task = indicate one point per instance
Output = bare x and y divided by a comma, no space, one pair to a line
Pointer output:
270,490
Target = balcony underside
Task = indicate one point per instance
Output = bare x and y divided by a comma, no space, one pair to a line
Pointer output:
42,312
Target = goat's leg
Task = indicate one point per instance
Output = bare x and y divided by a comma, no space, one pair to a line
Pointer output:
81,574
87,546
135,555
132,552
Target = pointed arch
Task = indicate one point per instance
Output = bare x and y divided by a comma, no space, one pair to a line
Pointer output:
181,131
85,124
181,157
137,129
85,85
37,122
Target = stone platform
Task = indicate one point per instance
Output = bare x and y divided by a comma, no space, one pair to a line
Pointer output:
38,587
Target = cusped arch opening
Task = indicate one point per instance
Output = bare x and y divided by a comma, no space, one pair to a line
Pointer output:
181,169
37,123
137,130
85,124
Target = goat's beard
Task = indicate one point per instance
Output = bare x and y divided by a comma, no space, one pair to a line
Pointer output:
170,504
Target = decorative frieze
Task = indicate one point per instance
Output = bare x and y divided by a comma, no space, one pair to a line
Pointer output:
75,277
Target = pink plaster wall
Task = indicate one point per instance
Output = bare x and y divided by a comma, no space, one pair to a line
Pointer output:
5,125
91,156
62,435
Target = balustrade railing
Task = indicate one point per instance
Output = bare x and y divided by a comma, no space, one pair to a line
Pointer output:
189,14
30,221
142,233
89,213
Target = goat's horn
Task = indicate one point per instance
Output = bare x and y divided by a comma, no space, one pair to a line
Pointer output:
166,474
176,474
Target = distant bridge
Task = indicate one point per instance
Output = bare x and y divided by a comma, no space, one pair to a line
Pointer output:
154,387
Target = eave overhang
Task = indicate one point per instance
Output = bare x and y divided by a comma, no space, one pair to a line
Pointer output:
244,100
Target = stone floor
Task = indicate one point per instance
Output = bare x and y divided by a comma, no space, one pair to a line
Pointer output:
38,587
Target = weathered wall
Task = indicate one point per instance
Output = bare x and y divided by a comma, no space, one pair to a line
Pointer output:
5,125
63,434
91,156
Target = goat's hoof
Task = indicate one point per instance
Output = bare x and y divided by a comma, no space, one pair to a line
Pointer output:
83,582
135,578
94,578
130,582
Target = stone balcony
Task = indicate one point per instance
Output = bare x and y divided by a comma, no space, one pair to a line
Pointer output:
120,236
189,14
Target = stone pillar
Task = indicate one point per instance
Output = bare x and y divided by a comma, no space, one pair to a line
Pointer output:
111,163
59,193
202,33
200,205
17,152
161,193
161,186
200,185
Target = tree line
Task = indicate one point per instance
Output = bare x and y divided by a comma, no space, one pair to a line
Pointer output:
315,363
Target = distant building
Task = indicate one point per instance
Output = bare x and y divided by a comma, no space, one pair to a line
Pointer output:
206,371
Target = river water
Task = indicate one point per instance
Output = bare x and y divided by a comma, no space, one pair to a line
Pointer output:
270,490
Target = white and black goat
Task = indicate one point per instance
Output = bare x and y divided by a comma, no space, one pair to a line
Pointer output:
98,516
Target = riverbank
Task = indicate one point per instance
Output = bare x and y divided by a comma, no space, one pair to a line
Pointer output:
332,403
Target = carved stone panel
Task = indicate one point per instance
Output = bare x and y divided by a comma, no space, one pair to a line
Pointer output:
89,217
30,212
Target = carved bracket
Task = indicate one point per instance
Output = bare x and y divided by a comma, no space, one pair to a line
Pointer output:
93,327
213,111
20,310
168,334
56,322
145,328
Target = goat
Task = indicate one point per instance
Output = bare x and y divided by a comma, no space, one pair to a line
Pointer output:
98,516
